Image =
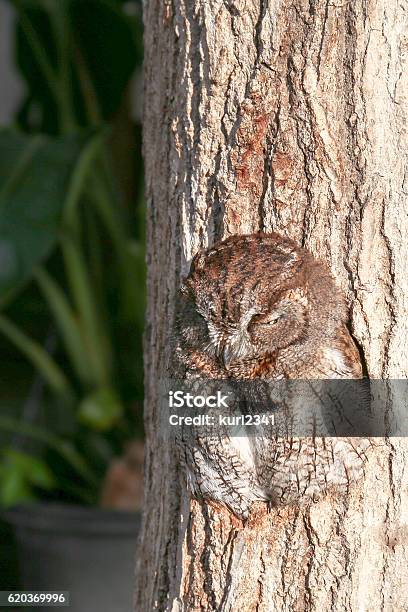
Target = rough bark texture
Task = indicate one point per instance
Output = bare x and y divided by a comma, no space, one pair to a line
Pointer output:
288,116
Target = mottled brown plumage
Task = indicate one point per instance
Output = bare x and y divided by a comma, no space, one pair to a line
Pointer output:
260,308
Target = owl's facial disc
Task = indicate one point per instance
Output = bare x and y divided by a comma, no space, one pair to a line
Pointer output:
241,320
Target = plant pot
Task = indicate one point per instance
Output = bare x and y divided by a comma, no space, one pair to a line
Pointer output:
89,552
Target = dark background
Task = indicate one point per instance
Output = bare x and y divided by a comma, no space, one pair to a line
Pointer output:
72,268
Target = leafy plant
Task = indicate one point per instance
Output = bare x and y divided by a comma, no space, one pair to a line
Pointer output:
65,228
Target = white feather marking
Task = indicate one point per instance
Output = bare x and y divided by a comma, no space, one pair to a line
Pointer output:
243,448
336,358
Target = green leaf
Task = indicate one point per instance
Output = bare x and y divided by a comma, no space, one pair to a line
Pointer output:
67,323
34,470
38,356
14,488
101,410
35,177
96,339
20,473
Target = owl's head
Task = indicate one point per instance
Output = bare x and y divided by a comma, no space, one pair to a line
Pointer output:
255,295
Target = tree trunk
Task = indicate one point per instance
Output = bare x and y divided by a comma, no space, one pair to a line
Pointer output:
287,116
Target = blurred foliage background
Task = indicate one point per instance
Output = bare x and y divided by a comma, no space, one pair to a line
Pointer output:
71,251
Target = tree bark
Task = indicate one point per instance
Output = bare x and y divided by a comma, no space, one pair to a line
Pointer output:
287,116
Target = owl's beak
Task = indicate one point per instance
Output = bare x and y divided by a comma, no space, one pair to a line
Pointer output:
234,349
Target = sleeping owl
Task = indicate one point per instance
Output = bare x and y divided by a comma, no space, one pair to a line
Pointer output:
260,309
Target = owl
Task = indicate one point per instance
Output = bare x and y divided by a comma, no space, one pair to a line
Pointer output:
257,309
